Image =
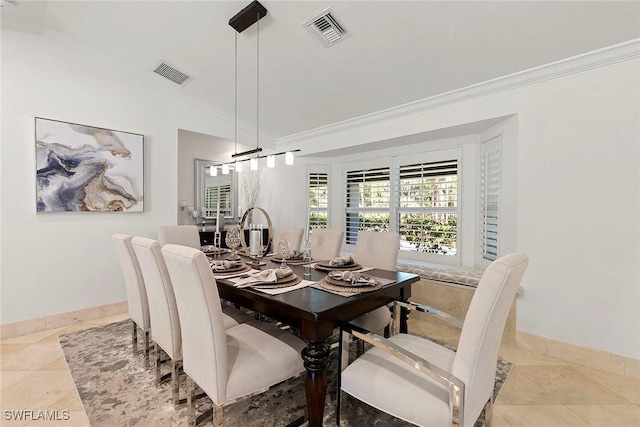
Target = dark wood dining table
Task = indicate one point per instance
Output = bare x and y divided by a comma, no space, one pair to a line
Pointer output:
315,313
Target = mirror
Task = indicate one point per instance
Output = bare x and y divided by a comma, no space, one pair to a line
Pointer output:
211,190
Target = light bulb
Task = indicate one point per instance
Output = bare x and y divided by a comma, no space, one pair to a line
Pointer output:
213,171
238,167
271,161
225,169
288,158
254,164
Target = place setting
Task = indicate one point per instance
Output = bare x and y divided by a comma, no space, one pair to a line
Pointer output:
210,250
224,269
342,263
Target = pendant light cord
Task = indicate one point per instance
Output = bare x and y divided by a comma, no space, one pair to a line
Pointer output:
258,82
235,125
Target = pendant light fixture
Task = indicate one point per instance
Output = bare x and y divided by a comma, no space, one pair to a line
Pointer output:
241,21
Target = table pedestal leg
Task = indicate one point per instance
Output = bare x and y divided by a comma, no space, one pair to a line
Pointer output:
316,359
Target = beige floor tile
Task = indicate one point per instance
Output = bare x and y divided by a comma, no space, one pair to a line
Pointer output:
75,419
540,416
31,358
555,385
499,420
37,391
627,387
6,348
521,356
602,360
632,368
608,415
31,338
79,326
8,420
70,402
57,365
8,378
110,319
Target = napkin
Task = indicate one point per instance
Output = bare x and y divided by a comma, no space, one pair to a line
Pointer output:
354,278
265,276
341,260
220,265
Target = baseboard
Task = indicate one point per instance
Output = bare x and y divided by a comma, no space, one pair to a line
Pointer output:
589,357
39,324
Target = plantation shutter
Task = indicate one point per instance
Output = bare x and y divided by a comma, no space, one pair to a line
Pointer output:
368,193
215,194
490,167
427,199
318,199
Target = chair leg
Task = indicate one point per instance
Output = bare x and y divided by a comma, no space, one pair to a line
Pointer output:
147,349
488,412
157,350
218,415
175,384
134,337
191,402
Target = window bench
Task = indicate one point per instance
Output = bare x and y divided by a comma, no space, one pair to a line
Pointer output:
450,288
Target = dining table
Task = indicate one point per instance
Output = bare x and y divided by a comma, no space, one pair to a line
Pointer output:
315,313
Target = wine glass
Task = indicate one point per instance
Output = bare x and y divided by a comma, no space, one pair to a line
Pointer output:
284,250
306,258
232,239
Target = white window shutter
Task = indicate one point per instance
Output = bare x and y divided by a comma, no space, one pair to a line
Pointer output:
490,177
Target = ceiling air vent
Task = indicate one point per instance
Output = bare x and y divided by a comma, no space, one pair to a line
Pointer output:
170,72
327,28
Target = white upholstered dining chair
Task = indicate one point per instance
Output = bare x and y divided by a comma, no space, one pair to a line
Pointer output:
137,302
292,234
185,235
165,322
422,382
378,250
227,364
326,243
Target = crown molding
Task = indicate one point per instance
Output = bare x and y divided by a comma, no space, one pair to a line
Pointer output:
576,64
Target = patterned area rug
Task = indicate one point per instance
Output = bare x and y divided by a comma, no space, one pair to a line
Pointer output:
116,389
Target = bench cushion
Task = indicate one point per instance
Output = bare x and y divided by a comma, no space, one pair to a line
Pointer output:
467,276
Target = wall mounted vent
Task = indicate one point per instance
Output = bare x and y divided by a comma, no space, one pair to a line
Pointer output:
327,28
170,72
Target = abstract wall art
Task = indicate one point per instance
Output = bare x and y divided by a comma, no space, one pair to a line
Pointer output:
87,169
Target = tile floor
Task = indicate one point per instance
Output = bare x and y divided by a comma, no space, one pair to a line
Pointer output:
540,392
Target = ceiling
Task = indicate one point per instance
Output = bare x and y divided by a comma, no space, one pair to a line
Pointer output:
399,51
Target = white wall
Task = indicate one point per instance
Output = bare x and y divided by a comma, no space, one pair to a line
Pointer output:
59,262
576,196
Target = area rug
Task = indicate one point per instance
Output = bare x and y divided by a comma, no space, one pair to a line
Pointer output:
116,389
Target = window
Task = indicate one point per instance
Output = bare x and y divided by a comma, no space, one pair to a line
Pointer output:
318,200
214,193
490,166
368,193
427,207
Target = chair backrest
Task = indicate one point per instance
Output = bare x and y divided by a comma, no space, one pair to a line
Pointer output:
133,280
377,249
184,235
165,322
204,346
477,354
292,234
326,243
